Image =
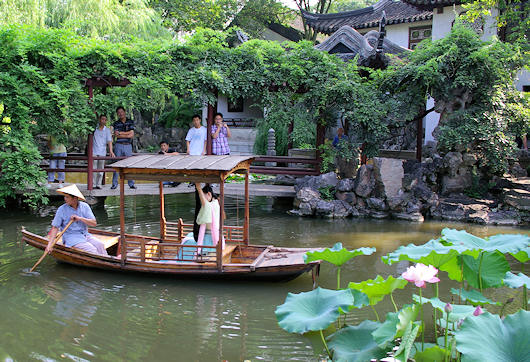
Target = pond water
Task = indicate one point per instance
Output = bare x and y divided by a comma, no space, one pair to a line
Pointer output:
70,313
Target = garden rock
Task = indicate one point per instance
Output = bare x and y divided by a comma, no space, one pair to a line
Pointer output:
469,159
307,194
379,214
414,216
504,217
388,175
306,209
447,210
345,185
364,184
376,204
316,182
324,208
349,197
452,162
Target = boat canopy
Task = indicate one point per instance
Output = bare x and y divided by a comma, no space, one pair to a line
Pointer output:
182,168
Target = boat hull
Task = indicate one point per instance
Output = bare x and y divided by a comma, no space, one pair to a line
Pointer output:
275,264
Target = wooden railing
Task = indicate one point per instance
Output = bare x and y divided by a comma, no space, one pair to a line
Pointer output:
177,231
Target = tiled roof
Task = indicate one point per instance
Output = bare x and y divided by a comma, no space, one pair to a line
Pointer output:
431,4
396,12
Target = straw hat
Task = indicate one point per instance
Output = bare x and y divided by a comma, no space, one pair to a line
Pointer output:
71,190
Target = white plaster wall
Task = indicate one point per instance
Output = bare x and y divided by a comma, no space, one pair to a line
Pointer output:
442,23
249,111
523,78
399,33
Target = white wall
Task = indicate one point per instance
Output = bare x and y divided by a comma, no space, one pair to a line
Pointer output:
249,111
222,106
442,23
399,33
523,78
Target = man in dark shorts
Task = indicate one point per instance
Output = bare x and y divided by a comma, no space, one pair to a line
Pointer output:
124,133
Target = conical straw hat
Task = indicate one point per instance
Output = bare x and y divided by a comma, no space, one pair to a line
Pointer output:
71,190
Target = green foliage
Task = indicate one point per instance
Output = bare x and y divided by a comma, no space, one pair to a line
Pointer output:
395,325
516,281
312,311
117,20
178,113
472,296
328,154
337,255
376,289
464,328
488,338
355,343
471,82
327,192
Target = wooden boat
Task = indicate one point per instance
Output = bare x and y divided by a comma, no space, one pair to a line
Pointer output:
167,254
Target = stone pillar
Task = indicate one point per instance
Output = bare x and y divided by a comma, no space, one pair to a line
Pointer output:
271,146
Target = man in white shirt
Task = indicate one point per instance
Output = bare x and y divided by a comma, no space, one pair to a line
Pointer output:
102,139
196,138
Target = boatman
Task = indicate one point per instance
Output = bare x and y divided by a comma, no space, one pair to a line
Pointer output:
76,235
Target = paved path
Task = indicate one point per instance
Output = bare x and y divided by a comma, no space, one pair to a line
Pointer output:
231,189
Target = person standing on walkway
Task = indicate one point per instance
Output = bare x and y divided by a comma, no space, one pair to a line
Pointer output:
220,135
57,149
196,138
102,139
124,133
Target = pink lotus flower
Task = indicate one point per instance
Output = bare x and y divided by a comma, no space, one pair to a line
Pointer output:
478,311
420,273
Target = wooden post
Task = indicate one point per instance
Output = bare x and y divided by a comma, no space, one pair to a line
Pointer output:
221,208
321,133
90,93
90,160
419,138
123,243
246,224
162,212
209,122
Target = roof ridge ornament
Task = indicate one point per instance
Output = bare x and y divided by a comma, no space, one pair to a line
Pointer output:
382,33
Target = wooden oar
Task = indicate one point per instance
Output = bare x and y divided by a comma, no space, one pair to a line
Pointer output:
53,243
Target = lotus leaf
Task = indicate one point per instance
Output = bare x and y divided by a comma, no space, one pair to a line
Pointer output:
492,272
459,311
473,296
337,255
488,338
312,311
403,352
377,288
453,269
355,343
359,299
430,354
522,256
395,325
509,243
432,253
516,281
504,243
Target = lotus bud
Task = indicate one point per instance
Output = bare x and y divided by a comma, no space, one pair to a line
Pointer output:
448,308
478,311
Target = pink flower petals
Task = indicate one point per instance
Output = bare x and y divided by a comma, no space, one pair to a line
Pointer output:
421,274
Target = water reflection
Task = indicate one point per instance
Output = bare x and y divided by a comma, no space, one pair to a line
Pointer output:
79,314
